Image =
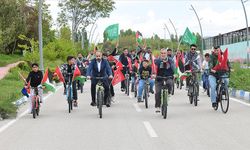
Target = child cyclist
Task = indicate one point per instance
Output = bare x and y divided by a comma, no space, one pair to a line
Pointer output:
35,78
145,73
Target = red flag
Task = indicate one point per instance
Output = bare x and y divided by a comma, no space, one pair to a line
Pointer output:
136,64
141,58
222,61
45,76
118,77
58,73
117,63
129,63
77,73
154,67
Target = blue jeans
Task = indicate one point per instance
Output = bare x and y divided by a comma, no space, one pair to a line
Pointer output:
205,80
141,86
213,84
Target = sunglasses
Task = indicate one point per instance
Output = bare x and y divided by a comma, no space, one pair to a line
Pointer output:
193,49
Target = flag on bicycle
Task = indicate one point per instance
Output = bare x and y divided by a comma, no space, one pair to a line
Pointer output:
222,61
118,77
25,92
78,77
154,67
45,82
129,63
59,74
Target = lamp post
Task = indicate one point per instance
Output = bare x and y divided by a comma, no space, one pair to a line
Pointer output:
177,39
169,35
192,8
242,2
40,34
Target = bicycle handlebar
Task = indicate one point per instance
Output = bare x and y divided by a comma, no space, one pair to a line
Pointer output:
161,77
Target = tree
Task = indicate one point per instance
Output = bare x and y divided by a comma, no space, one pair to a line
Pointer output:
83,13
65,33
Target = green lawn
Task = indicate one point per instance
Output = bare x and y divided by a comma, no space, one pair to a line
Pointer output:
8,59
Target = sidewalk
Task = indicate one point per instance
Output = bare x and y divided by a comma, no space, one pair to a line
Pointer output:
4,70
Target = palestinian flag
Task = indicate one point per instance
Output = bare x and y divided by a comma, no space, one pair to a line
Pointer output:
77,76
138,36
58,73
45,82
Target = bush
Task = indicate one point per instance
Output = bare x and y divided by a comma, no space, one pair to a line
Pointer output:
239,78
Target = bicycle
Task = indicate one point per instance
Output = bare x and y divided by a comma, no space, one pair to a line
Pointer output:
193,91
69,92
146,92
206,74
99,94
35,102
135,85
164,95
127,83
222,93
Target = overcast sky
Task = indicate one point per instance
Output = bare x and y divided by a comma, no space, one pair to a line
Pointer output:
149,16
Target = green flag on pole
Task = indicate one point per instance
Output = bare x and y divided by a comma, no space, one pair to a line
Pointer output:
188,37
112,32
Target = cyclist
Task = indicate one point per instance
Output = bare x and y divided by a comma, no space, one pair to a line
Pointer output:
165,68
99,67
214,74
134,59
35,78
205,69
68,71
179,59
192,61
145,73
124,60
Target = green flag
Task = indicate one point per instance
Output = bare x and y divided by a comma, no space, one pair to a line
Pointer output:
188,37
112,32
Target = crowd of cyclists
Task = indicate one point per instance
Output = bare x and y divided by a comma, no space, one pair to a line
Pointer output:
141,66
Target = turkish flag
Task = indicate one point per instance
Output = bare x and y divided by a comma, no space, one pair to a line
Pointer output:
222,61
58,73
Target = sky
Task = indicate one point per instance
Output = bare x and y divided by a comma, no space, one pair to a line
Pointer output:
149,16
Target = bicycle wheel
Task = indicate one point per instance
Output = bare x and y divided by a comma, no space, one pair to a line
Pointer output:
195,96
165,104
177,83
224,100
38,108
173,89
81,88
127,86
100,102
34,109
146,96
135,88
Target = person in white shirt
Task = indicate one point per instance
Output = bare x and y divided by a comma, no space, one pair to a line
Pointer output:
205,69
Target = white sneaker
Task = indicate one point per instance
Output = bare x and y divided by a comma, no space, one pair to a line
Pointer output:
158,110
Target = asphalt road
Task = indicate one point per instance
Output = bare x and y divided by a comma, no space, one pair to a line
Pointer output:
128,125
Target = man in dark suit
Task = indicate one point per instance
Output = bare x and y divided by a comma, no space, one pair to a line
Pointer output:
99,67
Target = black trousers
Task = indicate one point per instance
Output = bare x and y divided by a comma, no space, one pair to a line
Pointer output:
93,90
158,88
124,70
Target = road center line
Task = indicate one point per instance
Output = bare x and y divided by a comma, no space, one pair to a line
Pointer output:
150,129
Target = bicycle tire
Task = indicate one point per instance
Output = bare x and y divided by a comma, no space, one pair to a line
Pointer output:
173,89
38,108
135,88
99,102
165,104
226,100
81,86
146,96
127,86
34,110
195,97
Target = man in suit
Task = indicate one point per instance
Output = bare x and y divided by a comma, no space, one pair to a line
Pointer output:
99,67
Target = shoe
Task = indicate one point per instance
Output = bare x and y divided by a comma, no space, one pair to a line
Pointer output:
64,92
139,99
108,105
158,110
152,91
122,89
93,104
75,103
214,105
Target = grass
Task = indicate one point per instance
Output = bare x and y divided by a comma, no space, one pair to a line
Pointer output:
240,78
8,59
11,86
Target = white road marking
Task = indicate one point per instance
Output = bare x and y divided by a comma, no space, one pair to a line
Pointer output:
22,114
150,129
239,101
137,108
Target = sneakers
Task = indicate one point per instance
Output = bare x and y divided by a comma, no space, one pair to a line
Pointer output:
158,110
75,103
122,89
139,100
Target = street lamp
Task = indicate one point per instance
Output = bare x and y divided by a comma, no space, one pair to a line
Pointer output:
175,31
192,8
40,34
169,35
242,2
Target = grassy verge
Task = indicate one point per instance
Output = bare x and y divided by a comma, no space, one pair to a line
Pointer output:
240,78
8,59
11,85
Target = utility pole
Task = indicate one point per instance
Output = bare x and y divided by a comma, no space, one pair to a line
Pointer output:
40,30
248,49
